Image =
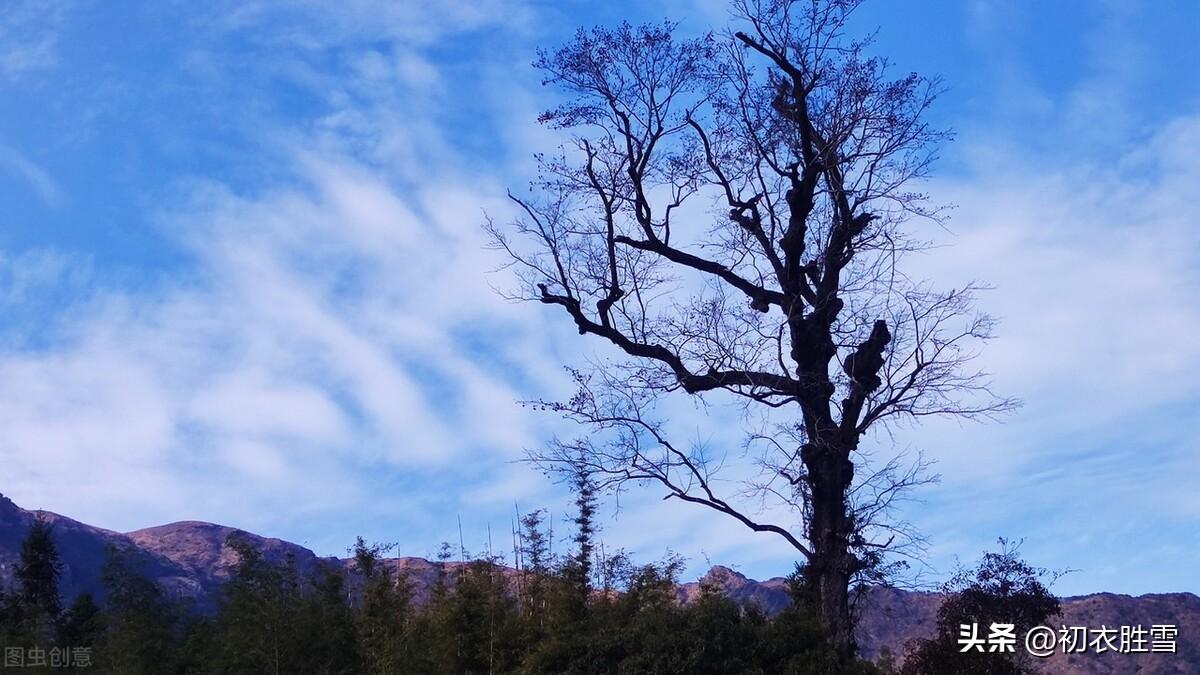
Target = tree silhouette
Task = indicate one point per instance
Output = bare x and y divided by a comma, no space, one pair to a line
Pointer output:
385,612
330,618
1002,588
37,605
732,215
139,622
81,624
276,618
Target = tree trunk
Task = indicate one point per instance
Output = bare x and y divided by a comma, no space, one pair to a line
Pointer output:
832,564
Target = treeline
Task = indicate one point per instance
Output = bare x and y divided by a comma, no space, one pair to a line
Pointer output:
578,612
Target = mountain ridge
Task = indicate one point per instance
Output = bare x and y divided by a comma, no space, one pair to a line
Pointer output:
191,561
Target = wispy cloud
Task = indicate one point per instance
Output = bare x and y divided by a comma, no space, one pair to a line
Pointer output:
34,176
1096,265
29,35
315,342
332,360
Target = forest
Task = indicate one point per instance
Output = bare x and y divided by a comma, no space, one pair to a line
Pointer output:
575,612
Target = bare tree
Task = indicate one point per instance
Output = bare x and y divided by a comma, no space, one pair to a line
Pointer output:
731,213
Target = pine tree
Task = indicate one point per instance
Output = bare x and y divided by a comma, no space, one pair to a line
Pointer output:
559,599
36,605
579,569
536,570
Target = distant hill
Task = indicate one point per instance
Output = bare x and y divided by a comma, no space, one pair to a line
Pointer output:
894,617
82,548
191,562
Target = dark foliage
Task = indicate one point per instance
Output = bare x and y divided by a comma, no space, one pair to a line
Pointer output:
274,619
581,611
140,624
34,607
1002,589
576,612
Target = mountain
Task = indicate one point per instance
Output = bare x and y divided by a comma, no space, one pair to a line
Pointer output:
200,552
892,617
192,561
82,549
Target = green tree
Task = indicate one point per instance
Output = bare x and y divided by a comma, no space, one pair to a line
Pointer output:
578,569
794,641
721,633
476,621
82,624
140,623
36,605
274,619
200,649
256,625
535,570
563,595
385,621
1003,589
327,633
651,623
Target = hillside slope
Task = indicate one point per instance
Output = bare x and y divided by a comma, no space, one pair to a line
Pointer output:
191,560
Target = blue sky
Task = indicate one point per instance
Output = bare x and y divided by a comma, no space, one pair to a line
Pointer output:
243,278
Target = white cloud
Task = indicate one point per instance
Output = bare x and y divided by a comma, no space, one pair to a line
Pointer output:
312,348
36,177
29,34
336,350
1097,271
296,338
